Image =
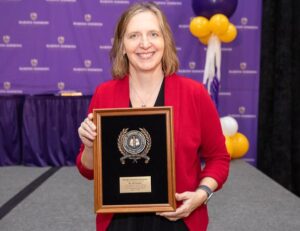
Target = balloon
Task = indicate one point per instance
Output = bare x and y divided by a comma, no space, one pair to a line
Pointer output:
199,27
229,125
240,145
229,35
208,8
205,39
229,145
218,24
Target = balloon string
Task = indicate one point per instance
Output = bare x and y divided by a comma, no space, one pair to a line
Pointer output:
212,66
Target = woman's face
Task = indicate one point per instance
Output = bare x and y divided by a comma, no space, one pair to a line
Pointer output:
144,43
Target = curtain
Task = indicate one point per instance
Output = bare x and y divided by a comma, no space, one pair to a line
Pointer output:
279,107
11,108
49,130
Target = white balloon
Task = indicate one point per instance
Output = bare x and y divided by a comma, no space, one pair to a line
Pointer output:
229,125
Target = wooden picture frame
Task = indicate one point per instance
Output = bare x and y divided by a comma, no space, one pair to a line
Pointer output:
134,160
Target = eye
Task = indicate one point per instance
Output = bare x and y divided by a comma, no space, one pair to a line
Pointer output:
154,34
133,36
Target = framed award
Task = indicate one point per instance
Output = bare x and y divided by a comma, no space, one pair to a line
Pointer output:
134,160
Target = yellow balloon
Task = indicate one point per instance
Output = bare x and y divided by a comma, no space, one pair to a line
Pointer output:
205,39
218,24
199,26
229,145
240,145
229,35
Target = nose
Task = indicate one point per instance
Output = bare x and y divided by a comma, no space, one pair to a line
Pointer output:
145,42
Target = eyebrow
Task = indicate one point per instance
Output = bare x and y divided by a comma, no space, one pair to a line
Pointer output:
133,32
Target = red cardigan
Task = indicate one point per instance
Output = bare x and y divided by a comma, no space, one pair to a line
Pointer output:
197,132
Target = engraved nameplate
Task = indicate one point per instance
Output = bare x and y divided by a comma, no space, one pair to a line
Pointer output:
140,184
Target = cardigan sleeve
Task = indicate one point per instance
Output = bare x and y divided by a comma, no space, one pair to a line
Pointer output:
87,173
213,150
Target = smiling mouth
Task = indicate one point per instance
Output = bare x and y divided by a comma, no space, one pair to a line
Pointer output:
146,55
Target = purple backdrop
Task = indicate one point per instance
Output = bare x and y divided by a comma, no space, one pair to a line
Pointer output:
52,45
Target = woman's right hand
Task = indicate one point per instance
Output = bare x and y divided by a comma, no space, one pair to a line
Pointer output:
87,131
87,134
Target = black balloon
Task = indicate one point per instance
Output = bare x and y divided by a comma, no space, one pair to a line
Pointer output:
208,8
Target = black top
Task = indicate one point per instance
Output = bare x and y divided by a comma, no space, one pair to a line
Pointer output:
160,100
146,221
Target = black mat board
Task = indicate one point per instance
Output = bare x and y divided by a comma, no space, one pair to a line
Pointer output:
113,169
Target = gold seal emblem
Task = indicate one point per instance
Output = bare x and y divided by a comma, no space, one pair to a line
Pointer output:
134,145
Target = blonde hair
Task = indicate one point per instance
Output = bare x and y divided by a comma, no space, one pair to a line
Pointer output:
119,60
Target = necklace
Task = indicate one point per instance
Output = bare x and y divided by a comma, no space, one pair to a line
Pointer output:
149,95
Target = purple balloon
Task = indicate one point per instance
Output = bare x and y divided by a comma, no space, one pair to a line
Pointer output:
208,8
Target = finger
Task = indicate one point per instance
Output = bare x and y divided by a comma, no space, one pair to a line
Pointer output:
86,132
89,126
84,137
182,196
179,211
182,212
178,216
172,218
90,123
181,216
90,116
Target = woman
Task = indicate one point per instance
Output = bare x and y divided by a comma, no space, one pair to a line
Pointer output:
144,63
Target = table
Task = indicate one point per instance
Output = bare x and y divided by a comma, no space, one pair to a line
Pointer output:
40,130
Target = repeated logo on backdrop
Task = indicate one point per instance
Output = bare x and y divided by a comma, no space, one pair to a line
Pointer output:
192,68
87,22
169,3
34,66
243,69
244,25
87,67
62,1
117,2
70,47
33,20
6,43
60,44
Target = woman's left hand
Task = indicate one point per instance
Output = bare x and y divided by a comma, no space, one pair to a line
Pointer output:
190,201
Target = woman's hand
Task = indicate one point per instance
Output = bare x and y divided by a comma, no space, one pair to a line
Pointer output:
87,131
190,201
87,134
